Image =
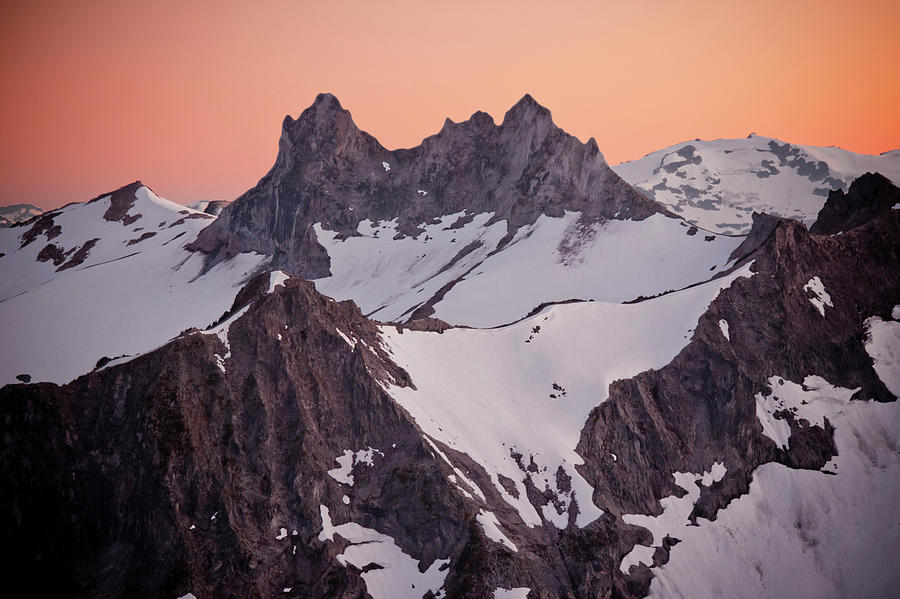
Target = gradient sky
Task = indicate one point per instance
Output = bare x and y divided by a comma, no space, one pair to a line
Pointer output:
189,96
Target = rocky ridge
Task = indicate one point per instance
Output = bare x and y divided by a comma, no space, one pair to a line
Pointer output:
330,172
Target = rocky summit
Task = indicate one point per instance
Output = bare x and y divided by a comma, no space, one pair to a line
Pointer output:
483,367
329,172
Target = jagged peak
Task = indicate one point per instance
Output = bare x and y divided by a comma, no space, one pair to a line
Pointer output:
326,108
328,100
526,110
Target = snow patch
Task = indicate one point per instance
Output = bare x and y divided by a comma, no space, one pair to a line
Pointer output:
399,574
492,530
883,346
349,460
821,298
674,516
723,325
458,472
715,474
787,396
221,331
350,342
386,166
277,278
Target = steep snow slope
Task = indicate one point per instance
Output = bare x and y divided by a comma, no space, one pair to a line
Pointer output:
718,184
526,389
553,259
815,534
106,278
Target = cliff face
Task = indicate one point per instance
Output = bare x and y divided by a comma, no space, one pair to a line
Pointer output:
328,171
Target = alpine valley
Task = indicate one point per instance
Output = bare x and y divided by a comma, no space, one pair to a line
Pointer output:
490,366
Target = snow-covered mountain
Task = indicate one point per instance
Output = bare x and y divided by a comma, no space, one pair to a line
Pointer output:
718,184
477,226
16,213
634,406
106,278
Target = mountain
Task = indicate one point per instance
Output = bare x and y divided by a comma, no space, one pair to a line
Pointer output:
718,184
299,449
530,380
476,226
105,279
16,213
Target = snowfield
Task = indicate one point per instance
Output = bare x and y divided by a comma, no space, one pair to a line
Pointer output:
528,388
121,301
718,184
551,260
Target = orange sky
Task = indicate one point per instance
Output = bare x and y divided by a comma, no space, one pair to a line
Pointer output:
189,96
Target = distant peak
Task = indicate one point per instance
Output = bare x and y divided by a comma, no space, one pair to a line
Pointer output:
526,110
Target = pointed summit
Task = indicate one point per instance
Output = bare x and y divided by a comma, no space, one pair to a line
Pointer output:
526,110
328,100
325,108
324,122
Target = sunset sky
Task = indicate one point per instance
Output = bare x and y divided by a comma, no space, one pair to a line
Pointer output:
189,96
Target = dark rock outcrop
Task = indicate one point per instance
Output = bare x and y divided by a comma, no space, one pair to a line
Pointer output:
869,196
328,171
120,202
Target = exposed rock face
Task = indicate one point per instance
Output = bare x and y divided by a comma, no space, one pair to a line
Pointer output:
869,196
329,171
120,202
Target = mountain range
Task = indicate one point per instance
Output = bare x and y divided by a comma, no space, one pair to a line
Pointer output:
488,366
